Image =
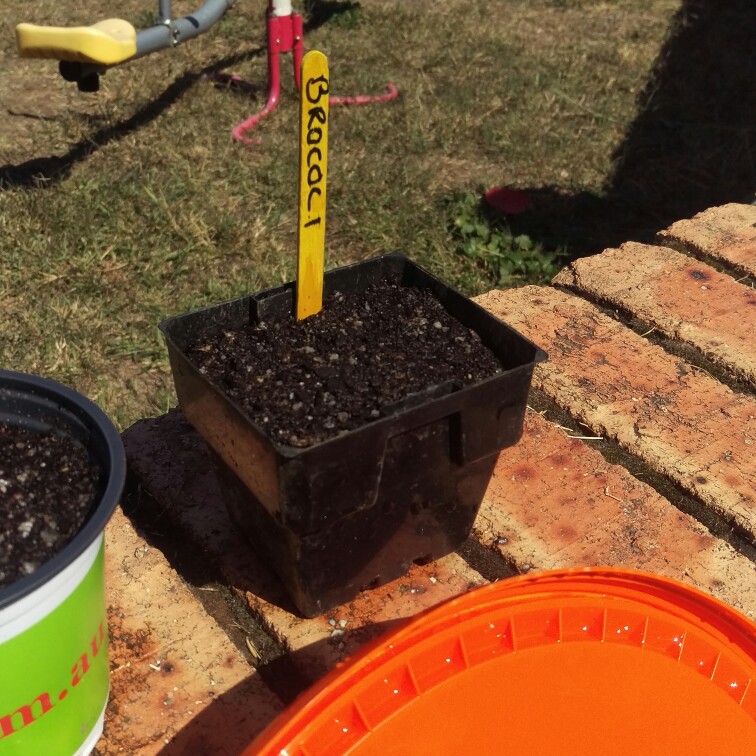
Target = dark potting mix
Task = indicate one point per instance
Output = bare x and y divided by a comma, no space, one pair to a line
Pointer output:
305,381
47,488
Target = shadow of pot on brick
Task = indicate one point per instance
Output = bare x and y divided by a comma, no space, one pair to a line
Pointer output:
355,510
62,469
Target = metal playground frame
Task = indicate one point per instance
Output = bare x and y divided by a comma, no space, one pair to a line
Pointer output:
84,53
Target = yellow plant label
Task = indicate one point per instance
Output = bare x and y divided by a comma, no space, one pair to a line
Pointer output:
313,159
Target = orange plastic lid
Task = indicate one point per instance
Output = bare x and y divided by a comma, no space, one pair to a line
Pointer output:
588,661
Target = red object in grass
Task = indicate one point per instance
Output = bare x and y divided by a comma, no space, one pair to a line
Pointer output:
508,201
284,34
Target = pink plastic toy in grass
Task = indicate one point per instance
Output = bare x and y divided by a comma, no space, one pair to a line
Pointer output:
508,201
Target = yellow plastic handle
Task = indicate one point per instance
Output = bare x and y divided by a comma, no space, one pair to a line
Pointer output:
313,161
106,43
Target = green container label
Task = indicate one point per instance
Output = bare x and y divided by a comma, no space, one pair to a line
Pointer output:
54,676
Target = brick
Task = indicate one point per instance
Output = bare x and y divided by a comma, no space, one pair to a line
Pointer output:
727,233
681,421
680,296
317,644
176,677
177,469
555,503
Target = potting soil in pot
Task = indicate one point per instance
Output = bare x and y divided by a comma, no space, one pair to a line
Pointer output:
303,382
47,488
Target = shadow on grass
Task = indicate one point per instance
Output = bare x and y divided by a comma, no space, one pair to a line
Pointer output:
44,171
320,12
691,146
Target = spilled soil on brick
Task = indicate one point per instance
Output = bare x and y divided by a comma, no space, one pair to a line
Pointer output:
303,382
47,489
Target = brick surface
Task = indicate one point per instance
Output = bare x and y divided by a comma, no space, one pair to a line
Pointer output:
554,503
680,296
317,644
681,421
727,233
177,469
176,679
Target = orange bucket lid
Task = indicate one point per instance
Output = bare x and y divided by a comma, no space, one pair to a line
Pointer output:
585,661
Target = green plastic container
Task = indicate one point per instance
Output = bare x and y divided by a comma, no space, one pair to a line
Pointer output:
54,675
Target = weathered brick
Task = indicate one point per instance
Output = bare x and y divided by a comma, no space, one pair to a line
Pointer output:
681,421
555,503
680,296
174,465
175,674
317,644
727,233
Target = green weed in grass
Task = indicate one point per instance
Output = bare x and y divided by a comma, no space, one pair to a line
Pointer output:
506,259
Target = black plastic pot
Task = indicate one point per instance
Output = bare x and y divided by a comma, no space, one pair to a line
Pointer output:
39,404
356,510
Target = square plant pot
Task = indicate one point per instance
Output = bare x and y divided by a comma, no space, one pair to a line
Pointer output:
356,510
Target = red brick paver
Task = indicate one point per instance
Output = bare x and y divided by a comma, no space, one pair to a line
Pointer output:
317,644
554,503
176,677
727,233
682,422
177,469
680,296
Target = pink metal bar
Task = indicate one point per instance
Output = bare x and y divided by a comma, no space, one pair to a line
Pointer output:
285,34
391,93
297,47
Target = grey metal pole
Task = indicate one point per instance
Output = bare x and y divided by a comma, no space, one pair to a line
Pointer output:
177,31
164,11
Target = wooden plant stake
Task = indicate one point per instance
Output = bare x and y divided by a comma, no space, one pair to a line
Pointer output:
313,159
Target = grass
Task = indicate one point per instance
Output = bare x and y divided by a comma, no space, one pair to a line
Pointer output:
501,256
120,208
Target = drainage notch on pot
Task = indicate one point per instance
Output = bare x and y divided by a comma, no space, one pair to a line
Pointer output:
53,627
357,509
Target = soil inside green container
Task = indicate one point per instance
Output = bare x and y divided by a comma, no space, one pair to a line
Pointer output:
48,486
303,382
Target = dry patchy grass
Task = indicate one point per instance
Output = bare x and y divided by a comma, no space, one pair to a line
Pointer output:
120,208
